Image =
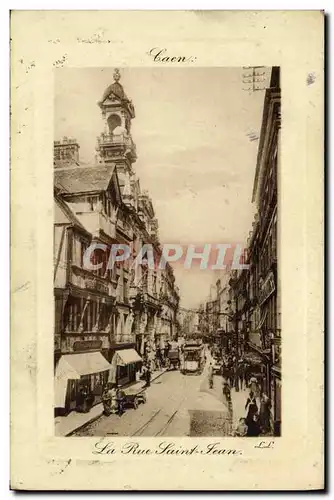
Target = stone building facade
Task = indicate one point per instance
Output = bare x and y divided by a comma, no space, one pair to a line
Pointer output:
259,312
254,293
111,317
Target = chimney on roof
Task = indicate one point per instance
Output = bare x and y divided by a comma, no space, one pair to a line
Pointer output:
65,151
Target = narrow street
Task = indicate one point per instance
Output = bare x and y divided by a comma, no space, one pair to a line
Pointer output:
118,323
177,405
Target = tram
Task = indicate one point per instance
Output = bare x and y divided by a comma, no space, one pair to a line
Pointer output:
193,358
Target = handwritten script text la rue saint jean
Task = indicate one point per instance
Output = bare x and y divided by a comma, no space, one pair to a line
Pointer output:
163,448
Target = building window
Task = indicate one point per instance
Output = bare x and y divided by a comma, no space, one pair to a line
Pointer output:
120,287
84,246
113,273
125,318
85,317
125,290
154,284
93,312
100,257
70,317
104,318
144,271
77,314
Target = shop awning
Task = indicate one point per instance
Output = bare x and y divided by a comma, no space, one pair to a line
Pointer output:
72,367
127,356
85,363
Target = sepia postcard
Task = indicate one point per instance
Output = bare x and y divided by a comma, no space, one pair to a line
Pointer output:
167,200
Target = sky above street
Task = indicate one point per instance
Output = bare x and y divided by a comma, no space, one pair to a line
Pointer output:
193,131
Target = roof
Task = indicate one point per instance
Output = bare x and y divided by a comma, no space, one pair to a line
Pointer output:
116,89
83,179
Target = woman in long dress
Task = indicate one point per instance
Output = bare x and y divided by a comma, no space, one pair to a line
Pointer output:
106,401
114,402
253,426
251,407
265,414
254,387
109,400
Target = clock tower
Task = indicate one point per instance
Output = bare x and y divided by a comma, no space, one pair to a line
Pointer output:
115,144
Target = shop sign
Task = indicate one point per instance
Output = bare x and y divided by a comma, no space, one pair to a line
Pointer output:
87,345
267,288
253,358
94,284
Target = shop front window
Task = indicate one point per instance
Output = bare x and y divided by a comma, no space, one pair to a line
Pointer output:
123,374
72,389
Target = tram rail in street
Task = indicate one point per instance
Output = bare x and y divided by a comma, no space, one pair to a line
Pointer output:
141,429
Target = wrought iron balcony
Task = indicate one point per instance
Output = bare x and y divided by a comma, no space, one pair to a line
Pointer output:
106,142
88,280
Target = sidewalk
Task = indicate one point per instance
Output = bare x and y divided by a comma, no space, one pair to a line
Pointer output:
65,426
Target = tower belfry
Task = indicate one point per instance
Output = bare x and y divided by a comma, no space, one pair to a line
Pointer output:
115,144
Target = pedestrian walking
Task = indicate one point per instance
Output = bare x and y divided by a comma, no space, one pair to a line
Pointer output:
255,387
230,376
210,375
251,408
245,370
120,398
148,376
109,400
222,368
82,403
159,357
265,414
236,376
253,426
242,374
227,391
106,401
166,351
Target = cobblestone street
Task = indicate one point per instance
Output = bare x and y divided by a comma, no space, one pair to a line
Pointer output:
177,405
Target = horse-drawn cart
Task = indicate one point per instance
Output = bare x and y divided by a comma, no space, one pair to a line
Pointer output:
132,396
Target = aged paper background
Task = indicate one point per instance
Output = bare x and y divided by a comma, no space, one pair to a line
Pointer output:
42,41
